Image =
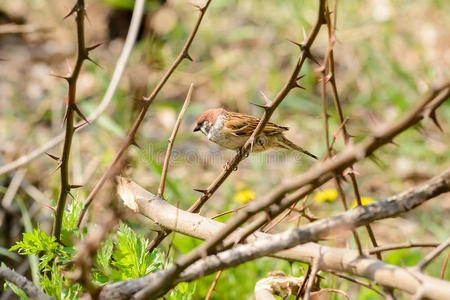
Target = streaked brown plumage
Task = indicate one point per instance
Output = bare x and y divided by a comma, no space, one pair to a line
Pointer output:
231,130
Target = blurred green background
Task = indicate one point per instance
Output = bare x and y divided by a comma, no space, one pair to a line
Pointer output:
387,56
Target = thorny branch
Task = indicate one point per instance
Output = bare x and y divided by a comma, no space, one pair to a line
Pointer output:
269,108
71,108
130,40
130,140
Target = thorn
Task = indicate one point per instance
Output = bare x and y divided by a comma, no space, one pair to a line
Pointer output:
69,67
187,56
305,37
65,114
86,15
201,191
93,47
134,143
81,125
72,11
309,55
299,77
300,45
70,194
434,118
56,169
196,5
377,161
62,77
78,111
94,62
265,107
297,85
75,186
53,156
266,99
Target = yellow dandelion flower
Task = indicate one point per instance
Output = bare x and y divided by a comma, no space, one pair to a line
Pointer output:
244,196
327,195
364,201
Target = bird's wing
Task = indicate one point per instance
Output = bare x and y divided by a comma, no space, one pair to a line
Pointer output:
243,125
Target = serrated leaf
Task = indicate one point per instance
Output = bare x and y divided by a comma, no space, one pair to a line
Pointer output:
130,256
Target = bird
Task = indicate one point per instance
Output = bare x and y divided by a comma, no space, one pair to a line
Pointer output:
231,130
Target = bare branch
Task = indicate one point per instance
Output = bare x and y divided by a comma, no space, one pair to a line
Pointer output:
32,291
400,246
148,100
361,283
432,255
339,260
162,183
117,75
268,111
311,279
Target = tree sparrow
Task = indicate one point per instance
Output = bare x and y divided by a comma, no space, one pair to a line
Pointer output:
231,130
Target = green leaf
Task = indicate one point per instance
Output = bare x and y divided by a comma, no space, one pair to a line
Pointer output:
131,258
18,291
103,258
183,291
36,242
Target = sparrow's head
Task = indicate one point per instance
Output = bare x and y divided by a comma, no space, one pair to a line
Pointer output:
207,120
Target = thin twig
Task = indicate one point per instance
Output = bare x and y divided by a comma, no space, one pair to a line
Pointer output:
328,290
432,255
311,279
444,266
229,211
361,283
300,291
162,183
400,246
213,285
184,54
117,75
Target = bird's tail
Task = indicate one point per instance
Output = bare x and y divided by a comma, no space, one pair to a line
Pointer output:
287,144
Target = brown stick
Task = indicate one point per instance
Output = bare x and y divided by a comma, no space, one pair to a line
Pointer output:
162,182
432,255
213,285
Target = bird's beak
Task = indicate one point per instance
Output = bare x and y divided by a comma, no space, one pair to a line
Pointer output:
197,128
